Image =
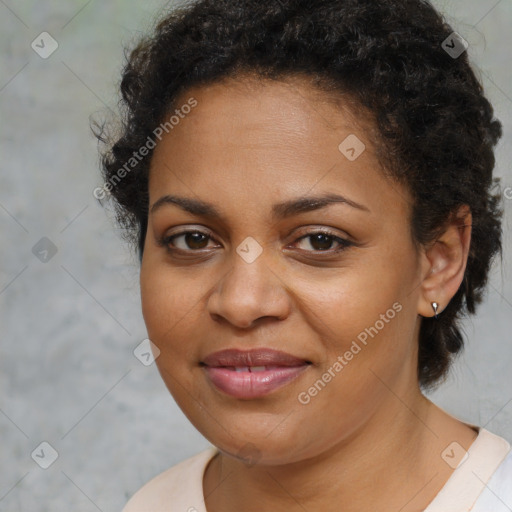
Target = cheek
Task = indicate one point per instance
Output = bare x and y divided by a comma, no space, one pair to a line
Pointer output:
367,318
156,302
170,318
345,303
353,388
167,304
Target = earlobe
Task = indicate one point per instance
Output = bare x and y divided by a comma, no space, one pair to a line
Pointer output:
444,263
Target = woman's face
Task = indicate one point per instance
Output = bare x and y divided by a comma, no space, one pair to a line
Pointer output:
333,284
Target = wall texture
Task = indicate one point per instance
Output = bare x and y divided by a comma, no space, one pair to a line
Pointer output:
69,303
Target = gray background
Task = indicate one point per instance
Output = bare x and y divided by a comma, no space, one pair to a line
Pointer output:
68,375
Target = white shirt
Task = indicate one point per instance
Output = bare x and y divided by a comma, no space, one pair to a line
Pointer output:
481,483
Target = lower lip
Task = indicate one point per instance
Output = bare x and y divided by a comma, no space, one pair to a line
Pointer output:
252,384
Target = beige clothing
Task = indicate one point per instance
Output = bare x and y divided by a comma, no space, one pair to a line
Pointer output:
481,483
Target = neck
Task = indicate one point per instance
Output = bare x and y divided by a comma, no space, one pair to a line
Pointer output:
393,462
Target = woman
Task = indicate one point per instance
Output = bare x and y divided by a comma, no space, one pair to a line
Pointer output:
310,189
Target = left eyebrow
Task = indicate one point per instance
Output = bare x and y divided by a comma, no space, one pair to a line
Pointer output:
279,210
307,204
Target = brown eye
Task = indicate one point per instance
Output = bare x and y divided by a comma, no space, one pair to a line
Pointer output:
187,240
323,241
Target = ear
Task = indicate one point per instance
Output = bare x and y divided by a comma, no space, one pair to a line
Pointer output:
444,262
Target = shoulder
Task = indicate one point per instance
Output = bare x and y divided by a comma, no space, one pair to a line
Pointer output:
503,475
497,495
482,482
181,485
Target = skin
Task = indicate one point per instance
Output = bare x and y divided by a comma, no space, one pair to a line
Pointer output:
369,440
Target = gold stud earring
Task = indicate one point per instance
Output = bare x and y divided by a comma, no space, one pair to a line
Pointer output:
435,306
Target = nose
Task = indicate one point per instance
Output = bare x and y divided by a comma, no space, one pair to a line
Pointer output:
248,293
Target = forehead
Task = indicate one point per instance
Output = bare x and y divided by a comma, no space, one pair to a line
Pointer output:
291,104
274,139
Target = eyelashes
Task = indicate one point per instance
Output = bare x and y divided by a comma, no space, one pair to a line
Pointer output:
195,237
318,236
167,241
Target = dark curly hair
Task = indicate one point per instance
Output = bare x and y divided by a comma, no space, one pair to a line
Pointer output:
436,131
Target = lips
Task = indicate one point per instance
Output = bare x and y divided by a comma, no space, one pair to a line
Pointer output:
249,374
252,358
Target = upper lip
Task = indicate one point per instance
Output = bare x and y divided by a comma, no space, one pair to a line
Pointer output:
255,357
